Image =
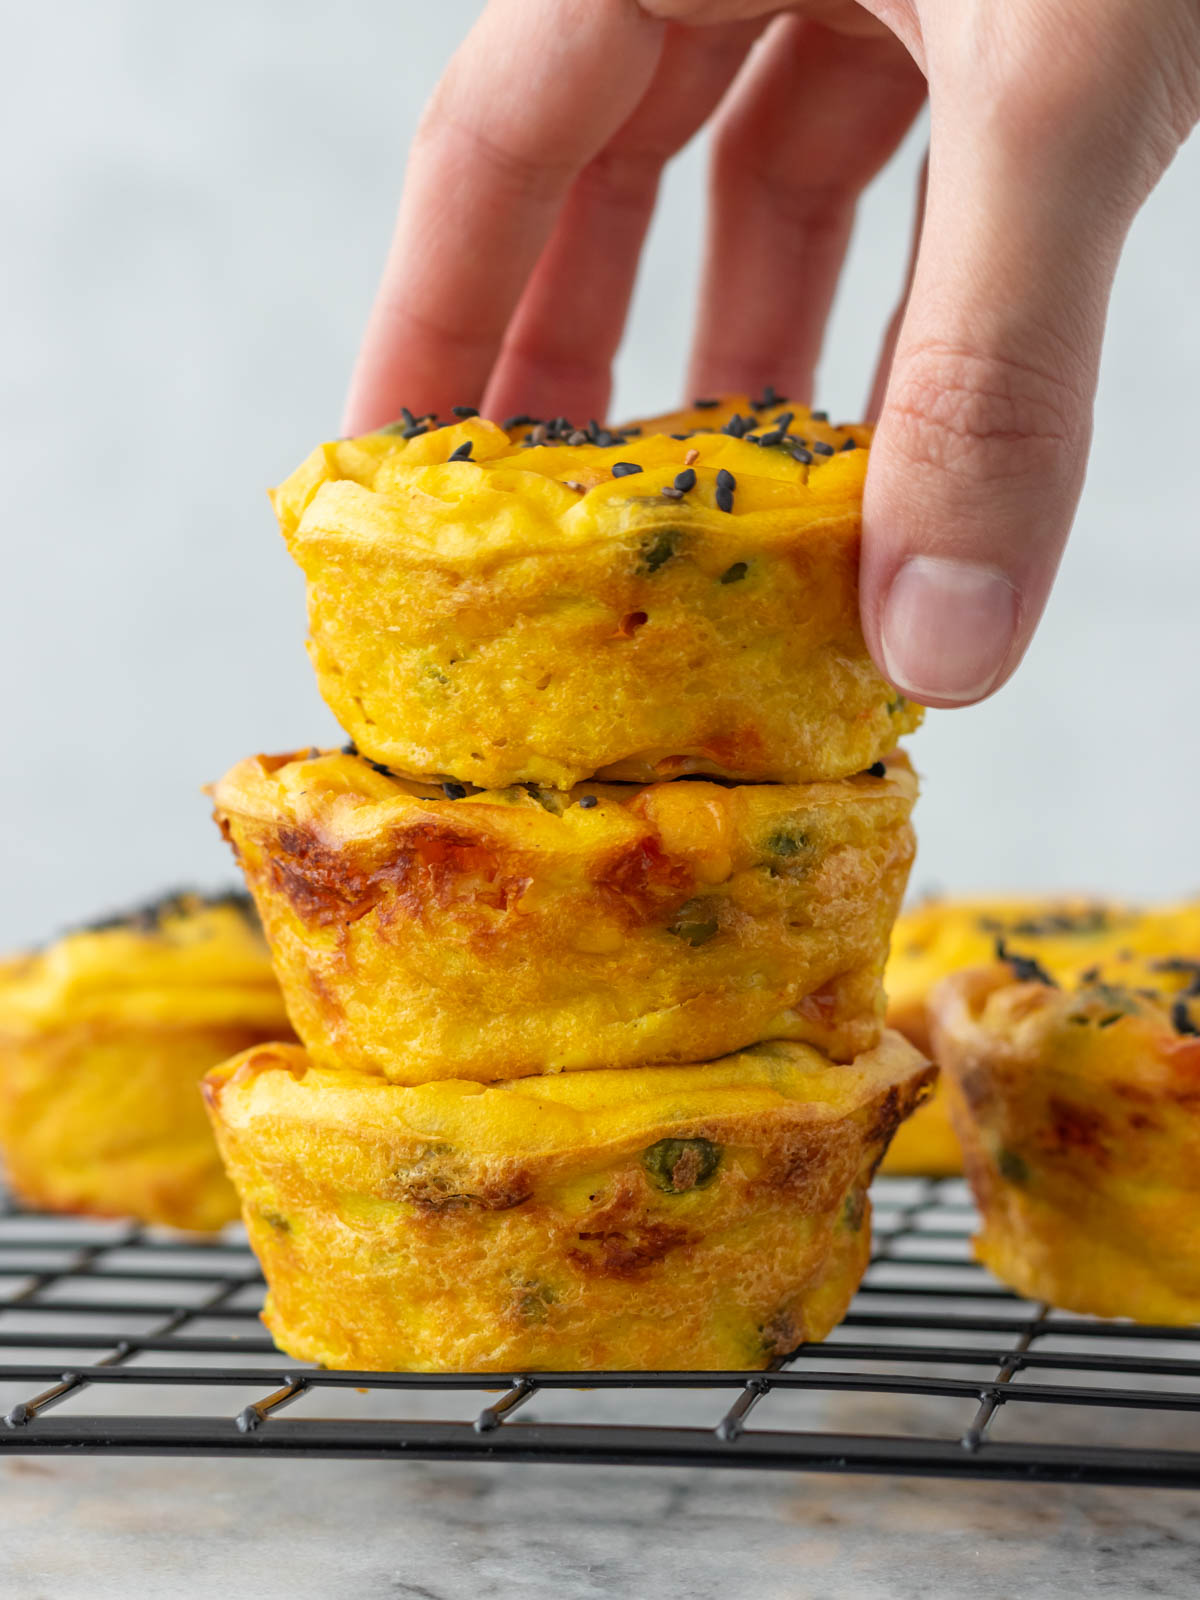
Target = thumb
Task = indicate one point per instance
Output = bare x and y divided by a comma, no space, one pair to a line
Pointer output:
982,444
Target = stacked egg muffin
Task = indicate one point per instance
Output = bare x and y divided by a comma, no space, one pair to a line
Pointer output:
583,931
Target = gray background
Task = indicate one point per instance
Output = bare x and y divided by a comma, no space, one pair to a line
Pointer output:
196,205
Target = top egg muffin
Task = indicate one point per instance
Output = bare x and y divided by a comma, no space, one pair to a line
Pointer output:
545,604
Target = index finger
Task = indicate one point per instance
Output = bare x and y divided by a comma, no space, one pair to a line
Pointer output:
535,91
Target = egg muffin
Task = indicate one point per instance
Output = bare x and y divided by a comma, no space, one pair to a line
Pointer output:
1078,1107
706,1216
1068,933
104,1037
434,932
537,603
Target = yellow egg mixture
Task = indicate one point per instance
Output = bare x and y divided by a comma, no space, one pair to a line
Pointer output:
434,933
551,611
104,1037
711,1216
1077,1102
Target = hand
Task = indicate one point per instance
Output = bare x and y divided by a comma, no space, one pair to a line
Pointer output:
533,178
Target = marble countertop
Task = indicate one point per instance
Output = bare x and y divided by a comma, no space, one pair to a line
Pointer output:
83,1529
137,1528
86,1528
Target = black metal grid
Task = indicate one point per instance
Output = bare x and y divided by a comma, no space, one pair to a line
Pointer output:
122,1339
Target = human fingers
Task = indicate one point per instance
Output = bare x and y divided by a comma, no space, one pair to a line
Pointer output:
887,349
1043,145
535,91
558,351
812,120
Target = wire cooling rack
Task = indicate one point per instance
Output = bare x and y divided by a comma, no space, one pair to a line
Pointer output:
115,1338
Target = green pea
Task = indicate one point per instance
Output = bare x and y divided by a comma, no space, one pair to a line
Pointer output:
854,1209
534,1299
658,548
550,800
677,1166
273,1219
787,844
1013,1168
695,924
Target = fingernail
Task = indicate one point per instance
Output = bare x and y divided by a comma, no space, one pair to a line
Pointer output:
948,628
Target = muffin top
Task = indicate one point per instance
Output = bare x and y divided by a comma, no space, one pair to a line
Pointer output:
532,1117
1128,994
733,456
187,952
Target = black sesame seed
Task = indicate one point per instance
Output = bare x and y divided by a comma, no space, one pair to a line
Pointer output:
604,439
685,480
775,437
784,420
412,433
681,436
803,456
587,801
670,492
877,769
1091,975
1186,967
819,416
463,453
406,417
705,404
726,480
578,437
768,399
625,469
464,411
724,500
1181,1019
520,420
821,448
350,749
735,573
850,444
378,766
454,791
1025,968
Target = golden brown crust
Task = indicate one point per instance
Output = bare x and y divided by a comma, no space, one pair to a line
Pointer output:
705,1216
1066,934
1079,1114
104,1037
500,934
528,616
